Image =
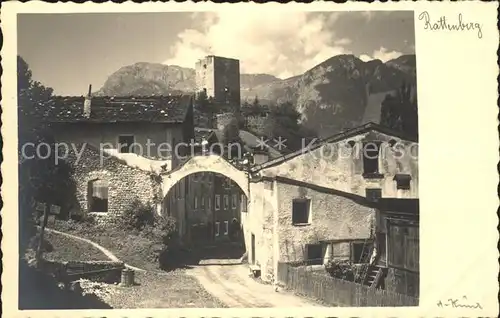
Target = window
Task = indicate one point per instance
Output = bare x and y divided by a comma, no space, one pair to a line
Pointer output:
243,203
217,202
226,227
373,194
209,203
217,228
371,152
314,254
196,202
226,202
402,181
125,143
235,203
300,211
202,202
97,196
360,252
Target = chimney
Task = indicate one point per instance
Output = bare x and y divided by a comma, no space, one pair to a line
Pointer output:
87,103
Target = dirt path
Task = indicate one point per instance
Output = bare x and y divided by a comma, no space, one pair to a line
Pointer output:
232,285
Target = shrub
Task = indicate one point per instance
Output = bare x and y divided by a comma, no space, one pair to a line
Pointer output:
161,230
137,216
341,269
46,245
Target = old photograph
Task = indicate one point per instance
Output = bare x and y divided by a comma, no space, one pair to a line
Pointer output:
180,159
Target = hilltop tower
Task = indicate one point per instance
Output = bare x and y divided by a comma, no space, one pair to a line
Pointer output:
219,78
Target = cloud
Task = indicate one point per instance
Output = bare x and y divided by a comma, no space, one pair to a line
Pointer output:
265,42
381,54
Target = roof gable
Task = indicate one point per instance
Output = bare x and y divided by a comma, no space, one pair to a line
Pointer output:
335,138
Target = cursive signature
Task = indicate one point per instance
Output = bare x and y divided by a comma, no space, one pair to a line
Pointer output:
454,303
443,24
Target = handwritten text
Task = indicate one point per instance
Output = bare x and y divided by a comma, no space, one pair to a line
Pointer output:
443,24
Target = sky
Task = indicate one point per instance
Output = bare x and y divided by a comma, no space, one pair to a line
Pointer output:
70,51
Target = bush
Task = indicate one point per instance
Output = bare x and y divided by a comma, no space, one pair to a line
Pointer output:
46,245
137,216
341,269
161,231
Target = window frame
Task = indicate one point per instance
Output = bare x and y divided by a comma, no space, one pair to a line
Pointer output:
308,202
217,202
226,202
314,261
234,204
91,197
376,164
120,145
217,229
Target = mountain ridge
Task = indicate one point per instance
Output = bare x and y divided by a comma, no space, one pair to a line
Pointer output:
331,96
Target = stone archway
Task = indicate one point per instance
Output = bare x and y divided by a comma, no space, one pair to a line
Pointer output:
210,163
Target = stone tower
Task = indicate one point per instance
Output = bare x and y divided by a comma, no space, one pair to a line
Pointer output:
219,77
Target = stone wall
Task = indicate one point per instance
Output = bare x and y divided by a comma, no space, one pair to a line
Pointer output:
100,271
221,120
256,124
332,218
125,184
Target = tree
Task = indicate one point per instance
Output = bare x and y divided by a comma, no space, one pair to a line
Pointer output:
400,111
256,108
231,137
283,122
205,106
40,178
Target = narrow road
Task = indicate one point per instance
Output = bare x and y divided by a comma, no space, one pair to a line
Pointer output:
232,285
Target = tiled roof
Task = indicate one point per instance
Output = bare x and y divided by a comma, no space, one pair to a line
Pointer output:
161,109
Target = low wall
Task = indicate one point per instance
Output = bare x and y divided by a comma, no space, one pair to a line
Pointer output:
338,292
100,271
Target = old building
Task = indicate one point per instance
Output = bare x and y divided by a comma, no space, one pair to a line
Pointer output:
199,200
219,78
320,202
125,143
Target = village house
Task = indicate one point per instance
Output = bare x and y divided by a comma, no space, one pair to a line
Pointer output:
116,167
322,202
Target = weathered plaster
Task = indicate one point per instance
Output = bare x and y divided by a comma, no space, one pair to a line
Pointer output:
334,165
333,217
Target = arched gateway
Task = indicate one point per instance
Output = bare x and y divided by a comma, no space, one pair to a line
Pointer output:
206,163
